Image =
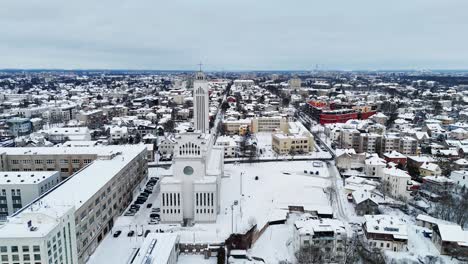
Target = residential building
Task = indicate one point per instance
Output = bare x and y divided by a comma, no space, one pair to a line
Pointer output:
450,239
430,169
460,178
19,126
67,223
297,140
327,234
395,157
19,188
399,182
229,145
373,166
386,232
62,134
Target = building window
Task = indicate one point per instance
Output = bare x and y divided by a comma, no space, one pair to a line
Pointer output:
36,248
25,249
14,249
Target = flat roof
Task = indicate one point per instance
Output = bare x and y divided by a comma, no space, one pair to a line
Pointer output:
156,248
73,192
24,177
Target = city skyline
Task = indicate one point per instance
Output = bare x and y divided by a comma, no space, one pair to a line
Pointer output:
239,36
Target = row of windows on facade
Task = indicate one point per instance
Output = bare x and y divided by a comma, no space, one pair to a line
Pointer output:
49,161
25,257
171,199
14,192
204,199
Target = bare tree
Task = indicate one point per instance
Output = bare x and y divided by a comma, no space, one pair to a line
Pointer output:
331,193
310,254
350,253
385,188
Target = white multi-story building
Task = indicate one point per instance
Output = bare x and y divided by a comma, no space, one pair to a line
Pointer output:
229,145
66,224
460,178
62,134
399,182
200,103
19,188
192,193
386,232
374,166
327,234
118,133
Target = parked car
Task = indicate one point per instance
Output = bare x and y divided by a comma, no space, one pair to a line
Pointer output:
140,233
153,222
147,232
117,233
131,233
154,215
149,205
156,210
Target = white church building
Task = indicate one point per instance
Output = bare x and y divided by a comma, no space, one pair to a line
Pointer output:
191,193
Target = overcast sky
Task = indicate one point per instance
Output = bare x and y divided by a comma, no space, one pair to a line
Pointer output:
234,35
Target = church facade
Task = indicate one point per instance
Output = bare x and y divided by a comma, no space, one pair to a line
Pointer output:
191,194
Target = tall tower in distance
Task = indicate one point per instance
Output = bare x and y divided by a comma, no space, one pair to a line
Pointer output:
200,103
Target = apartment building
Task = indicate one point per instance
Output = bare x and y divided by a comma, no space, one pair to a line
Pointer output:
328,234
349,138
65,160
370,142
297,140
390,142
229,145
408,146
18,189
386,232
66,224
269,124
399,182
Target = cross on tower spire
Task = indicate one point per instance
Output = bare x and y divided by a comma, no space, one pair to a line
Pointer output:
200,65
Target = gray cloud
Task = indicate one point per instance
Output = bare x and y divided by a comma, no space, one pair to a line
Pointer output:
233,35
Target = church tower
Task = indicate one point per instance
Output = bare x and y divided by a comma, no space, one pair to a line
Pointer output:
200,103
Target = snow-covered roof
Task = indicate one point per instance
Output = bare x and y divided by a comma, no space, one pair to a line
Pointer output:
453,233
430,166
77,189
340,152
362,195
394,155
311,226
157,248
387,224
25,177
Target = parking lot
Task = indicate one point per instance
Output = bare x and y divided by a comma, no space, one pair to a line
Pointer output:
142,215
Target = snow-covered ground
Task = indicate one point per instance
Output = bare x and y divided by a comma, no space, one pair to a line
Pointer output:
419,247
267,189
